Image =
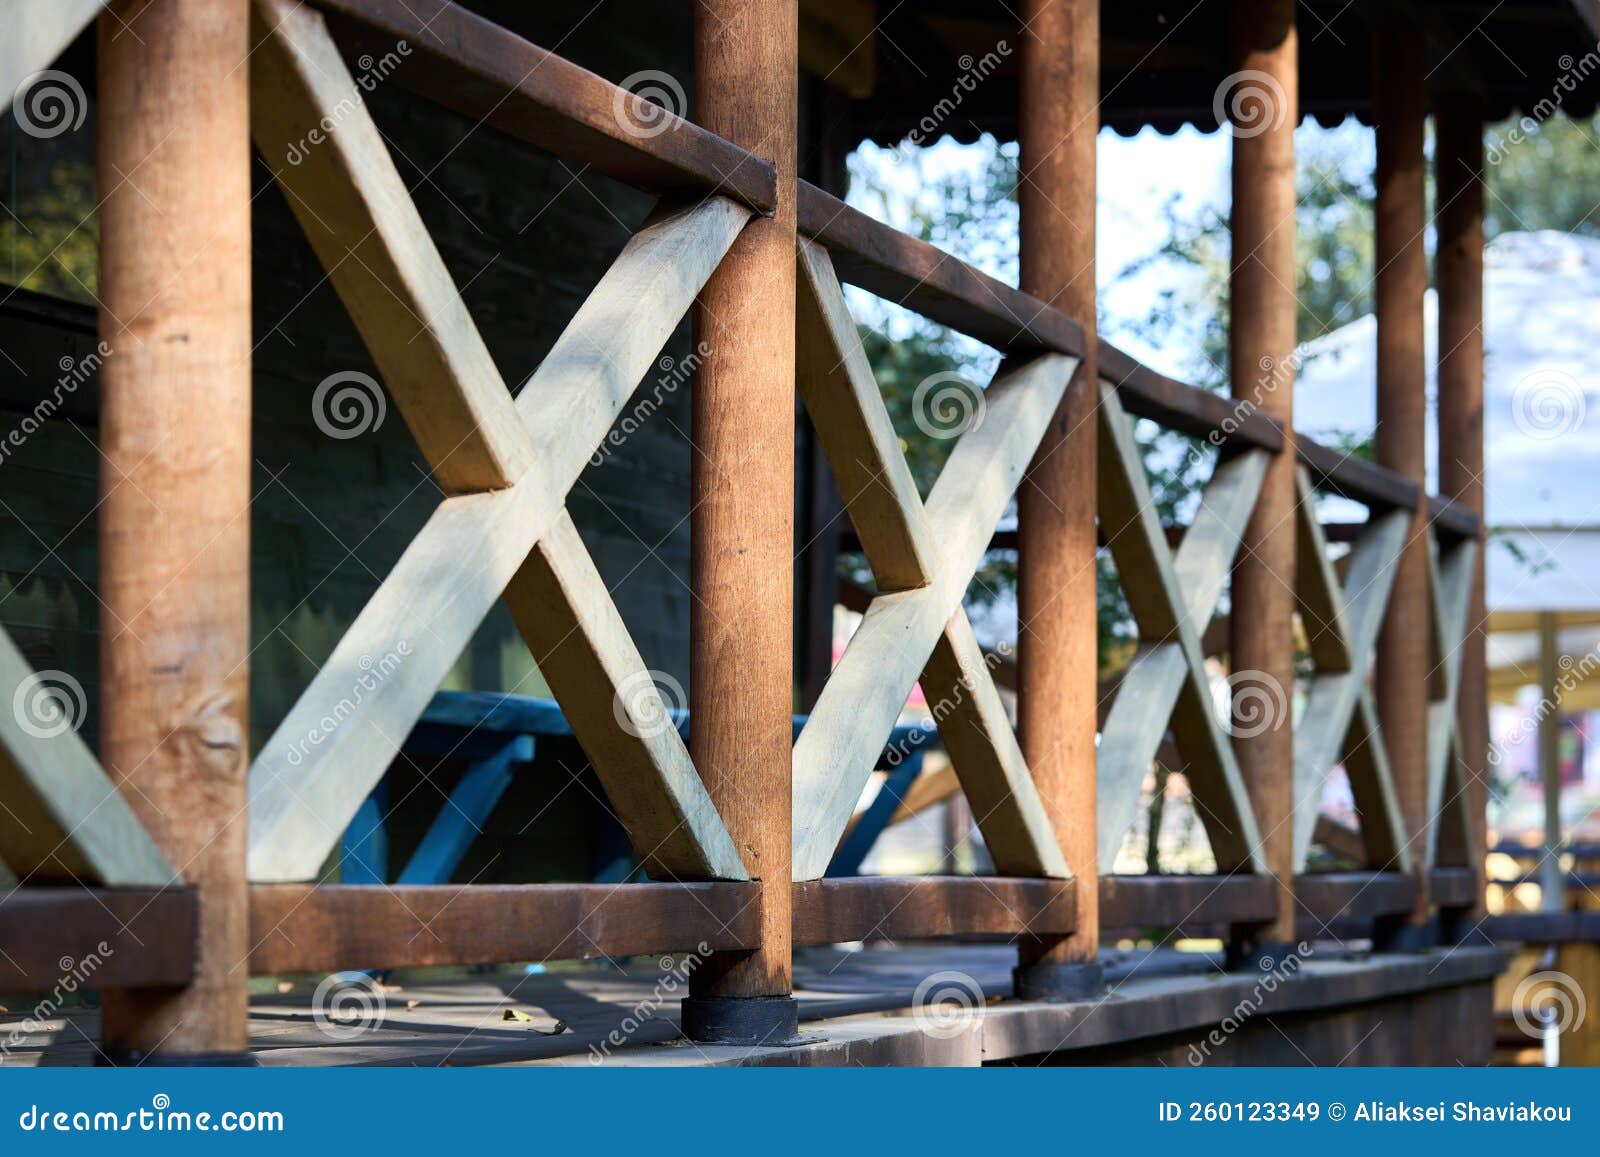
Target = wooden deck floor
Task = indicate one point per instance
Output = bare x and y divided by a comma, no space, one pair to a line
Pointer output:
856,1008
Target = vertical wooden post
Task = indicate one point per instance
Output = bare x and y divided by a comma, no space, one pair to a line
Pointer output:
1459,190
1057,633
1263,312
1552,880
1402,661
746,70
174,167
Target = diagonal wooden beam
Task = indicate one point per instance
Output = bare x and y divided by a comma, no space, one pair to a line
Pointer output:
61,818
1451,574
841,396
1317,595
1366,762
584,651
310,777
1328,727
1168,682
313,128
36,32
987,758
853,717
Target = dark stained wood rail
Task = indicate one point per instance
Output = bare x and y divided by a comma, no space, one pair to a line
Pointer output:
311,928
105,938
486,72
889,908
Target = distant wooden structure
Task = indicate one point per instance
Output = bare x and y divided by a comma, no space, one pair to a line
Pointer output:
737,827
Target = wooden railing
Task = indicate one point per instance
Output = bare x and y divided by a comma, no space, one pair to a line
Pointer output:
502,531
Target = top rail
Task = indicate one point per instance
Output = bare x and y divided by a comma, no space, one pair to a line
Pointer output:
477,68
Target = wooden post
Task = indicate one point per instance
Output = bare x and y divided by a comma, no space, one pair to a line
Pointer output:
1552,880
746,74
1459,190
174,166
1057,627
1264,101
1403,661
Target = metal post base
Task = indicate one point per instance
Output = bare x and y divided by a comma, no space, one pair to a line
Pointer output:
750,1020
1059,983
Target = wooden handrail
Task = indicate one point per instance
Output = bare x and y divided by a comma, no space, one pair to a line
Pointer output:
467,63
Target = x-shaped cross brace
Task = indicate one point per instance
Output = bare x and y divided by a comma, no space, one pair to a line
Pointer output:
1340,720
1451,569
506,467
923,557
1172,597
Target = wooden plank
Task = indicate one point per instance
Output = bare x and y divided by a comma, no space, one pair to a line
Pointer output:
847,410
1128,902
1451,572
61,818
1205,558
173,107
1187,409
584,651
1545,927
97,938
355,210
1358,479
1366,762
1329,896
305,928
1453,887
987,757
493,76
35,35
1318,597
923,907
309,778
862,698
1135,726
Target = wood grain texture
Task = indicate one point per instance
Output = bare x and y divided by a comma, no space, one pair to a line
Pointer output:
491,75
63,819
1057,574
111,937
336,742
174,518
328,928
1400,220
1458,274
316,135
922,907
742,481
1452,575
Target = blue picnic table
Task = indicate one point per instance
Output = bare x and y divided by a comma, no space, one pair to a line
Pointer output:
498,736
